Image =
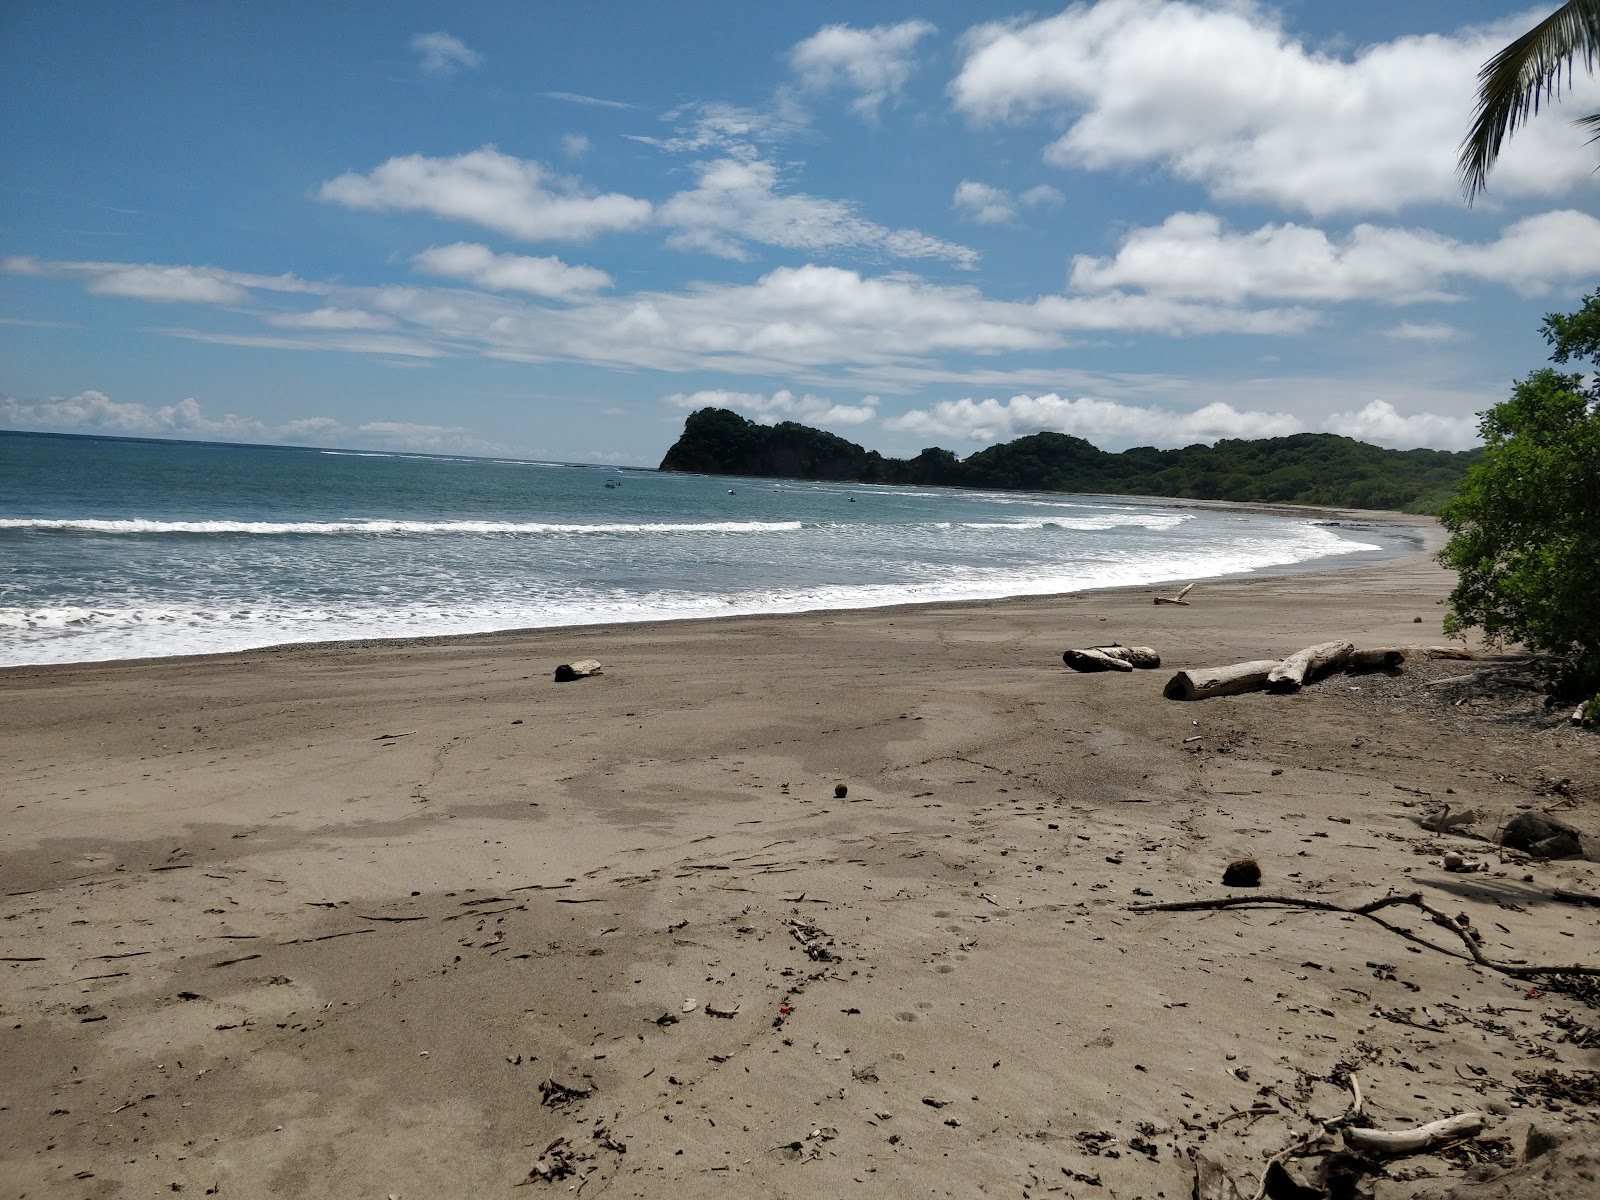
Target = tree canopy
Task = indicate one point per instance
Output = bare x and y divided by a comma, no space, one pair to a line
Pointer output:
1526,524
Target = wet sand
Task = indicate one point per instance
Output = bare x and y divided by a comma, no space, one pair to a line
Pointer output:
394,919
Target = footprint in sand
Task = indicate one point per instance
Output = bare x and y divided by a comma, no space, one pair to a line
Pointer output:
905,1016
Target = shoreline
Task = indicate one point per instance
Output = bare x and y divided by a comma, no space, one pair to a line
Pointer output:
1430,538
390,918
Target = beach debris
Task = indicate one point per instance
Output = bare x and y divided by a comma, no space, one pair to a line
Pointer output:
555,1094
1211,1181
1178,599
1461,864
1242,872
1112,658
1310,664
1443,820
1383,659
840,791
815,941
1541,835
689,1005
389,737
581,669
557,1162
715,1010
1458,925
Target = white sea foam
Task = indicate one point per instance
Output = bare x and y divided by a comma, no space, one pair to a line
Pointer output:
268,528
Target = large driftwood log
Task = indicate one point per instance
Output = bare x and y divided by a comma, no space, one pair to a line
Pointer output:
581,669
1178,599
1112,658
1205,682
1305,666
1094,660
1423,1137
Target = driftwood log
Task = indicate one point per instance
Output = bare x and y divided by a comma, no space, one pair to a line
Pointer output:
1178,599
1205,682
581,669
1423,1137
1308,665
1384,659
1112,658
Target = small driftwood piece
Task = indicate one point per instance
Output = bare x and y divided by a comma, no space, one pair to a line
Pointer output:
1308,665
1205,682
1178,599
1094,660
1369,910
1423,1137
581,669
1112,658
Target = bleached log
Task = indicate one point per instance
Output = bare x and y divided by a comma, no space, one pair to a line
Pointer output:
581,669
1408,1141
1178,599
1424,653
1308,665
1203,683
1122,658
1094,660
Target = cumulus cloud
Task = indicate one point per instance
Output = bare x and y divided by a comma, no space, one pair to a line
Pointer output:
575,145
1221,96
782,405
510,195
157,283
443,54
1379,422
331,318
990,205
1194,255
874,63
93,411
477,264
1097,420
737,201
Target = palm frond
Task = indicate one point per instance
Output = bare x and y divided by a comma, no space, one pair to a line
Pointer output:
1528,72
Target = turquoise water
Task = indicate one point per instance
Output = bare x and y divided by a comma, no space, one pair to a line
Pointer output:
116,548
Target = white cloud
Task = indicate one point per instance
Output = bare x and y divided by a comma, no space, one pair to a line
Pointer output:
736,201
1193,255
575,145
1112,421
782,405
1379,422
94,412
510,195
157,283
349,343
591,101
1424,331
728,128
874,63
331,318
990,205
443,54
1221,96
477,264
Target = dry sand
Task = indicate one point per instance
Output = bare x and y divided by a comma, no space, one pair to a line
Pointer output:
254,948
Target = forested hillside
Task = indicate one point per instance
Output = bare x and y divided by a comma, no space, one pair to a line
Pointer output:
1305,468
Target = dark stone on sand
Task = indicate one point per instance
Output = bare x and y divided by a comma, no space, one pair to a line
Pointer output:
840,791
1541,836
1244,872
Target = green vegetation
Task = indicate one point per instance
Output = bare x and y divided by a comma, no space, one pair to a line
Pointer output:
1307,468
1526,523
1514,82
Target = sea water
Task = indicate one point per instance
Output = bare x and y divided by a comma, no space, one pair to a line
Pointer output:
123,548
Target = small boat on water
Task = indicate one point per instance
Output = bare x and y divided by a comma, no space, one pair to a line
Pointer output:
613,483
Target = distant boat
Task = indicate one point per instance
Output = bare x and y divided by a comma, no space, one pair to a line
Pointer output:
611,483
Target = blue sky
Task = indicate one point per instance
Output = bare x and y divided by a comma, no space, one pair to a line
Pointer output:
552,230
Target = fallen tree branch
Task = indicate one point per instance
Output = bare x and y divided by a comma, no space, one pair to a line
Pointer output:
1423,1137
1369,910
1178,599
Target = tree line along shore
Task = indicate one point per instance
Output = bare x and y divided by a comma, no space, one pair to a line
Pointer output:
1304,468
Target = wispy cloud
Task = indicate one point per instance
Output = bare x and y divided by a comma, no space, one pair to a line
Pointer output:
442,54
591,101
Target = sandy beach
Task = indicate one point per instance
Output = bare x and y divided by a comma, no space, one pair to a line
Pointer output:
394,920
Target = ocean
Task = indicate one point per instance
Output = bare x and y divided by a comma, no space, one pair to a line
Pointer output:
122,548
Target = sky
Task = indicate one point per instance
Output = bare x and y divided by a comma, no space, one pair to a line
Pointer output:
553,230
